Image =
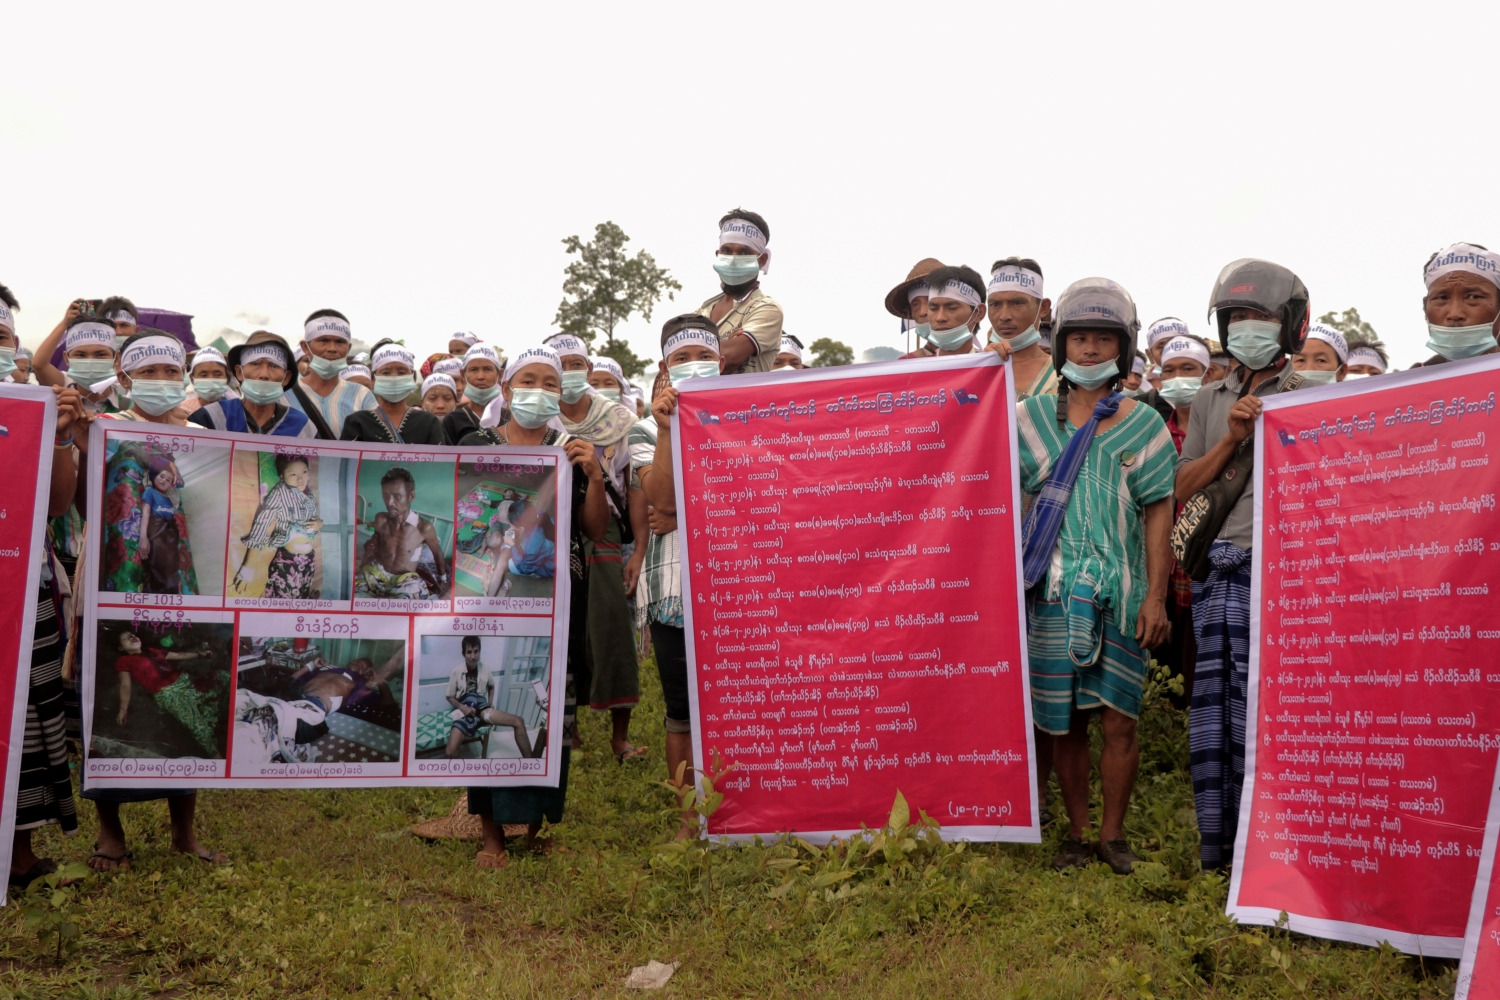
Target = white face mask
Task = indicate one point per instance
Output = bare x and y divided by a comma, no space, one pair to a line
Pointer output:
1314,377
1180,391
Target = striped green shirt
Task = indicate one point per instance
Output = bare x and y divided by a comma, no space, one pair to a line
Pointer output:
1103,535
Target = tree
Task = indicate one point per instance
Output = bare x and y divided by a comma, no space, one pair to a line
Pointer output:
830,353
605,288
1350,325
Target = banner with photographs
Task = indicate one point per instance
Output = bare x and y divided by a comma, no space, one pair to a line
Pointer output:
28,417
280,613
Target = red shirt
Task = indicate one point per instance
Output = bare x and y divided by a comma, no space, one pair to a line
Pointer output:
150,671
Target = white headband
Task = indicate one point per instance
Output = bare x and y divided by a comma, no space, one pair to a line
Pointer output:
450,366
151,351
438,379
1014,278
691,337
1138,366
354,370
612,367
268,351
393,354
206,354
955,289
123,316
1366,356
326,326
23,352
533,356
465,337
1463,257
481,352
918,291
568,346
7,318
89,332
1185,347
746,233
1332,337
1166,329
298,354
789,346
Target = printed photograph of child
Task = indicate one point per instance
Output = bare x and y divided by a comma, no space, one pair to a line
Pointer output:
507,533
164,519
291,527
161,691
482,696
405,518
303,700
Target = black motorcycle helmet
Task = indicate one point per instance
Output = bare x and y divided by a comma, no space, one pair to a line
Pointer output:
1095,304
1249,283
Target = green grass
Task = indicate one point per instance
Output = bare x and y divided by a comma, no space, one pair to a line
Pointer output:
330,896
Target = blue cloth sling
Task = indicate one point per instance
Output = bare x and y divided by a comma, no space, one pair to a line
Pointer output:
1044,523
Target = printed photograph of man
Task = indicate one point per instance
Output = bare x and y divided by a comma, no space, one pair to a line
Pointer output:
482,696
406,530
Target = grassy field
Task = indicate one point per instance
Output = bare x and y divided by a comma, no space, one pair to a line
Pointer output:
329,895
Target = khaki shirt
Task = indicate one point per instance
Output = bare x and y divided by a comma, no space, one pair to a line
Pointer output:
757,314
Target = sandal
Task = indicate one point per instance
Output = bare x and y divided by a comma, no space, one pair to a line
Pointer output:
117,862
213,857
484,859
635,755
41,869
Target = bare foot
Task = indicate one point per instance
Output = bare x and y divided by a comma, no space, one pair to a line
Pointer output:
486,859
110,855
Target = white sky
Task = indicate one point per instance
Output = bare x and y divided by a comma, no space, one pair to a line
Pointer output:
417,167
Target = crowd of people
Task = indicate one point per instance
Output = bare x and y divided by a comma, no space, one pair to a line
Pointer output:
1121,437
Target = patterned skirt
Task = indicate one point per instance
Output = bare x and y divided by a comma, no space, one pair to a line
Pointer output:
290,575
45,795
1216,715
1079,661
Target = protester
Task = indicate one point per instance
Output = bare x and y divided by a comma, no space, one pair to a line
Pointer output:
10,344
393,421
454,369
360,376
1219,362
481,385
121,313
908,301
611,676
1462,302
1367,356
1017,312
1090,601
264,369
304,363
1261,310
1158,333
790,355
439,395
955,308
89,353
209,371
1322,356
748,320
326,394
531,389
607,378
1132,384
461,342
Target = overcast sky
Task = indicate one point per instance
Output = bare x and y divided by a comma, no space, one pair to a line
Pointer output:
417,166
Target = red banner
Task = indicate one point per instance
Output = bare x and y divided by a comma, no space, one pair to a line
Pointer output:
28,417
1479,970
1374,698
853,607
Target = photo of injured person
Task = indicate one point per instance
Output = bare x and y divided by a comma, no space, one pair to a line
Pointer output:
482,696
507,533
291,527
161,691
305,700
405,532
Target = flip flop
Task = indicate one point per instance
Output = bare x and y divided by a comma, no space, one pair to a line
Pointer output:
633,755
41,869
120,862
213,857
484,859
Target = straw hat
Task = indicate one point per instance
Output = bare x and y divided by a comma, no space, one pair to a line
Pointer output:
895,302
460,824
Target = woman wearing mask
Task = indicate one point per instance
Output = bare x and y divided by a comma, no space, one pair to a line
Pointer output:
531,393
264,368
1322,356
481,384
393,421
607,378
210,379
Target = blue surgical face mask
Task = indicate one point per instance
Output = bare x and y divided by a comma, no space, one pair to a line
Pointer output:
7,361
157,397
91,371
574,385
532,408
1180,391
692,369
261,392
481,396
120,339
1315,377
613,395
1090,376
210,389
948,340
1256,342
324,368
923,331
1459,342
394,388
1020,341
736,269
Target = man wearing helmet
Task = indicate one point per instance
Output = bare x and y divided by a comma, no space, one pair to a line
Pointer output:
1261,309
1096,557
